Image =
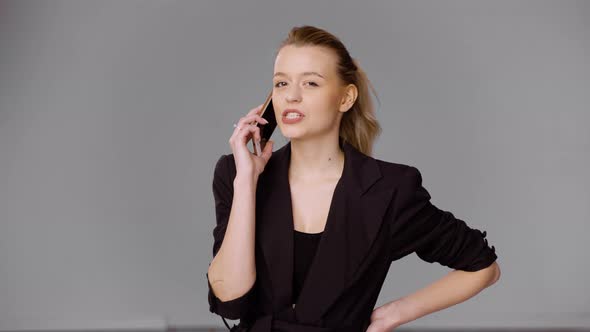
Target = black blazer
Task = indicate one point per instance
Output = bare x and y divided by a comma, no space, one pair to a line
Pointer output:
379,213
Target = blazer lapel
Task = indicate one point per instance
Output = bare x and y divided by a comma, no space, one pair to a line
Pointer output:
354,219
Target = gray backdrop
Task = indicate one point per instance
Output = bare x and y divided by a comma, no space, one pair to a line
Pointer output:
113,113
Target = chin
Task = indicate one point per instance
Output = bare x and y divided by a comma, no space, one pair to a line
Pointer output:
291,133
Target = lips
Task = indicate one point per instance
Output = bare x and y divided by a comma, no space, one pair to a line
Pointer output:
292,110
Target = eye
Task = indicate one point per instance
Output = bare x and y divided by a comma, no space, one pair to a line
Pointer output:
277,84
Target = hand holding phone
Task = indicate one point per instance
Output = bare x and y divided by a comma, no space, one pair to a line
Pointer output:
266,130
259,122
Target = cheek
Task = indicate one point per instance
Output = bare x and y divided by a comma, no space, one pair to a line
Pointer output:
329,109
325,117
325,101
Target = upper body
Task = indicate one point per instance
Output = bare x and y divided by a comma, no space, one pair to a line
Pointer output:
379,212
370,212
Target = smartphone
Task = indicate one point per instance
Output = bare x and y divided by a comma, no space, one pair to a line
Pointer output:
266,130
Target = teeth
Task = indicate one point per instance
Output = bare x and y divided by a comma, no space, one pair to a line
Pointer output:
293,115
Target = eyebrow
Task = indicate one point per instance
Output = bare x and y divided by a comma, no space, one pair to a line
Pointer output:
302,74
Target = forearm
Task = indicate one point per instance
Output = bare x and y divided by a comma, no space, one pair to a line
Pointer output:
232,271
456,287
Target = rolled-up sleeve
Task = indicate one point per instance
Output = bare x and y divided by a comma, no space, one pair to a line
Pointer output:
223,196
435,235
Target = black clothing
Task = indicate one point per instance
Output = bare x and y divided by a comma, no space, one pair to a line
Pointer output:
380,212
305,246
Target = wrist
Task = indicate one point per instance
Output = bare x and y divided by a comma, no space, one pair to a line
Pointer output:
397,313
249,179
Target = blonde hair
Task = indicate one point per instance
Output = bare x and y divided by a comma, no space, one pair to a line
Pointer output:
359,126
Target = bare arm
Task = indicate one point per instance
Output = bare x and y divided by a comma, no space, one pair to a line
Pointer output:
233,270
454,288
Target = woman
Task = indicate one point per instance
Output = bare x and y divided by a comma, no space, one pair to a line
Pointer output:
305,235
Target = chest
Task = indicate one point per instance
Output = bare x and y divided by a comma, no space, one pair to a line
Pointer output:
311,203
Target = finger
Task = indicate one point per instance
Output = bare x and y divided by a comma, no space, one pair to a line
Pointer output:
257,147
236,132
238,128
257,135
252,119
254,134
267,152
240,136
247,132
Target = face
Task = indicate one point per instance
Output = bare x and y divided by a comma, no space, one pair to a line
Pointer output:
305,79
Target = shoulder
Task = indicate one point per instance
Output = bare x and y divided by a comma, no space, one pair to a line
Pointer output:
225,168
399,173
391,168
406,179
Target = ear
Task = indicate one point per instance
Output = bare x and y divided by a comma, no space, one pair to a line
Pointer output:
349,97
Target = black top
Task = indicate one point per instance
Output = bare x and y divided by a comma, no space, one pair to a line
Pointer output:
305,246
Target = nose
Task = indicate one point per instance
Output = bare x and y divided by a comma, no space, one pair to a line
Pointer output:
293,95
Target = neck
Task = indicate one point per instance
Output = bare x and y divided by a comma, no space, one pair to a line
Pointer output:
316,159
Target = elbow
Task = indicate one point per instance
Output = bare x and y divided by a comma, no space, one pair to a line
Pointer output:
498,273
495,267
224,292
